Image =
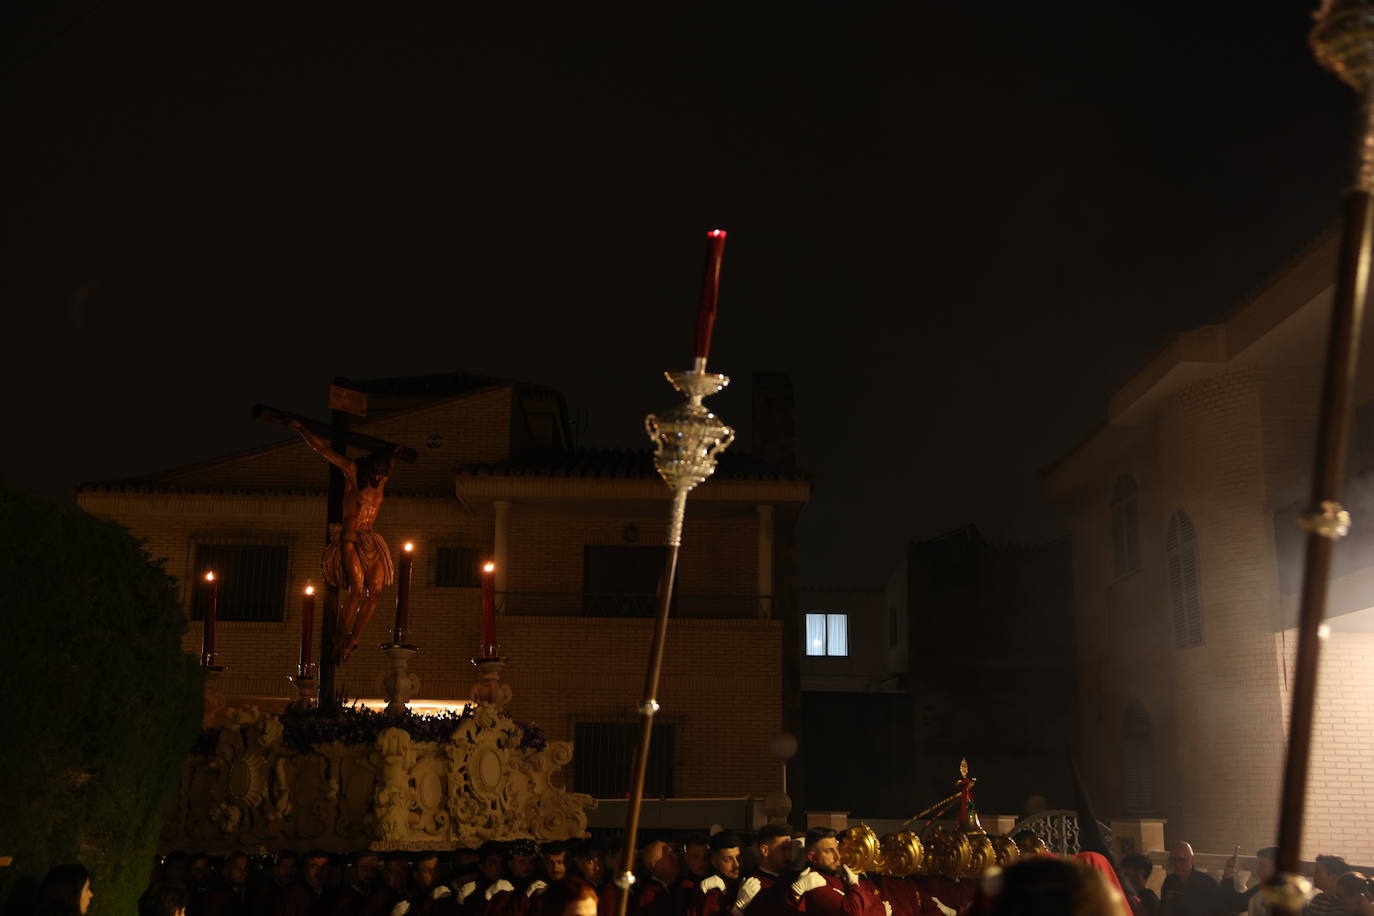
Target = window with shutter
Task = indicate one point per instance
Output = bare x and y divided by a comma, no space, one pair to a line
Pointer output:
1125,526
1185,590
1137,744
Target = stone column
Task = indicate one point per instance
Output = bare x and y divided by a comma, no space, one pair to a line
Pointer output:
765,562
501,547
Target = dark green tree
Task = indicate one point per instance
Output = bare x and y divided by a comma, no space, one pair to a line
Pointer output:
98,704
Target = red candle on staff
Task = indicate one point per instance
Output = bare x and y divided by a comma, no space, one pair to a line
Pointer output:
402,630
489,609
710,293
207,631
307,630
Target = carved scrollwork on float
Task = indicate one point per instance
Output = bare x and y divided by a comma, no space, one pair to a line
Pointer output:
486,781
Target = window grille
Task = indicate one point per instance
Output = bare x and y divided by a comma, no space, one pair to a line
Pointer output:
251,577
1185,591
457,567
1125,526
605,756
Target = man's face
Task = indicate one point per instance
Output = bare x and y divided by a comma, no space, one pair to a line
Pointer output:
699,860
662,861
236,871
1322,878
200,870
776,857
425,870
284,871
556,866
590,866
726,862
521,866
364,870
1181,861
825,854
1133,876
397,874
1264,869
314,871
491,867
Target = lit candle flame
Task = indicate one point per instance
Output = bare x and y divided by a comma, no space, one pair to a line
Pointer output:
310,589
210,577
490,567
409,547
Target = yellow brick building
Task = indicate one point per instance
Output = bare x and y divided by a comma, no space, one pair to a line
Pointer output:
1186,569
577,536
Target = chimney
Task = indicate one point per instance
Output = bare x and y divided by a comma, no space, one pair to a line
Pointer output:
775,422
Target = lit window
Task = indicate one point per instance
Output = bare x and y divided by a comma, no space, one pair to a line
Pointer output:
827,634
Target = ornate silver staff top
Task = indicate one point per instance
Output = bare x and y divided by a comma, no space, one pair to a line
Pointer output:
687,439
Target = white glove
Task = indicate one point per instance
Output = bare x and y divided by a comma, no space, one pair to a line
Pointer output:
748,889
887,908
947,910
713,883
536,887
498,886
465,891
851,877
808,880
441,892
401,908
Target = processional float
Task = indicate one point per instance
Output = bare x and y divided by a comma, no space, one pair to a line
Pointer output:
1343,42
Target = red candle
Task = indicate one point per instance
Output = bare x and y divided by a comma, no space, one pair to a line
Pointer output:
307,630
402,631
207,632
710,292
489,609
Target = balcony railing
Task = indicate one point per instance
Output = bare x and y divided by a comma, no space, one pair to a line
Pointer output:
592,604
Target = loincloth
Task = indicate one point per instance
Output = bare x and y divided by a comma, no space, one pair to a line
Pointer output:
372,551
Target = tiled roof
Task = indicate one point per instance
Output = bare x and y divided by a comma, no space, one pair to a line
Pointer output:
619,463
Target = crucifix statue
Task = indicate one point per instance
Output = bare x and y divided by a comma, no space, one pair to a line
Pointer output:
356,556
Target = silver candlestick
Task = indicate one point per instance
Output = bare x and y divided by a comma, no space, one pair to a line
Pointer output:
687,440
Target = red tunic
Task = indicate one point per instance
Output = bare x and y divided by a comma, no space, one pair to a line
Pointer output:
836,898
771,900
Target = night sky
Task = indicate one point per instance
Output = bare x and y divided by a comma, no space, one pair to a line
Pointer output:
958,226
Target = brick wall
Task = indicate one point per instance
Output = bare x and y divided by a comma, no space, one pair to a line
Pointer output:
1340,795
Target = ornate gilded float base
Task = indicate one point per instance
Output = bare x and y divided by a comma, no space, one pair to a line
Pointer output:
487,780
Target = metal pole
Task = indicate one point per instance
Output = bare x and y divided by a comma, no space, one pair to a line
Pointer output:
688,438
1343,41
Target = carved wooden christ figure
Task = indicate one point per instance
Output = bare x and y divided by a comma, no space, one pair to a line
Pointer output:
356,557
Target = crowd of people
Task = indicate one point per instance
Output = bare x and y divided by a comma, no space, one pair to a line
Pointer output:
775,874
1188,891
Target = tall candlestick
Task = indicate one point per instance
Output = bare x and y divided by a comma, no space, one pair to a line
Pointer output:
207,631
710,293
401,635
306,664
489,610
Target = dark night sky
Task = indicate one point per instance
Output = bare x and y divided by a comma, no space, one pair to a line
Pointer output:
958,226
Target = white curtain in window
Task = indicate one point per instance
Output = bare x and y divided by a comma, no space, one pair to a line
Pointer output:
837,634
815,634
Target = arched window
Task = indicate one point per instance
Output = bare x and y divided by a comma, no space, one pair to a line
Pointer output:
1137,749
1185,592
1125,526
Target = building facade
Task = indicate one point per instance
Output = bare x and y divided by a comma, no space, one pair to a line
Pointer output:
1186,559
577,536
